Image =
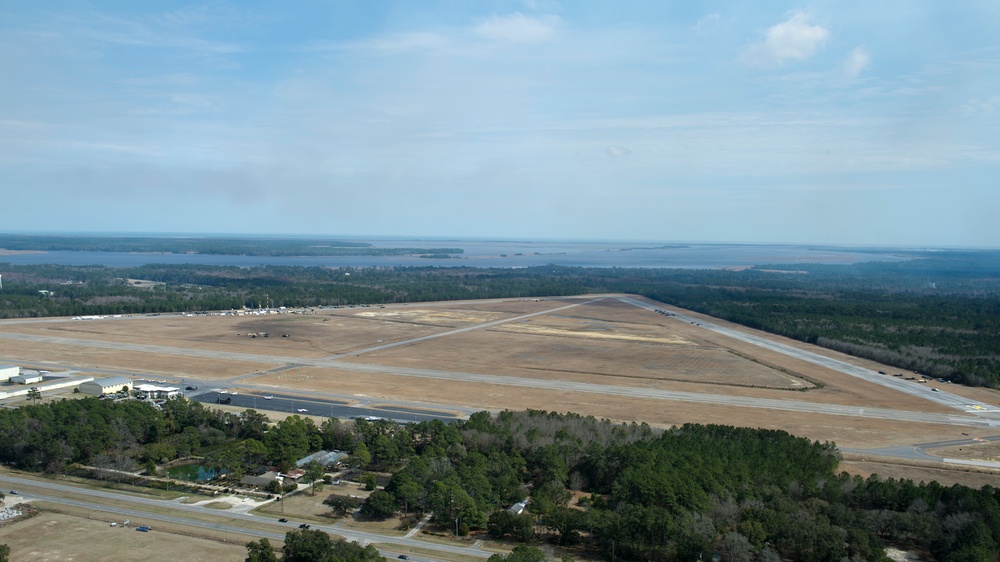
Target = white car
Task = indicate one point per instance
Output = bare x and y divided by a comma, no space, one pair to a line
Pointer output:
269,398
234,393
301,410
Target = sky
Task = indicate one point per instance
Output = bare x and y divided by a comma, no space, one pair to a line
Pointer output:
829,122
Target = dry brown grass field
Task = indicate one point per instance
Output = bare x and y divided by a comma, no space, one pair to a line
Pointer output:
597,340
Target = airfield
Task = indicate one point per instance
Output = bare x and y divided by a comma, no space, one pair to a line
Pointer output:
617,357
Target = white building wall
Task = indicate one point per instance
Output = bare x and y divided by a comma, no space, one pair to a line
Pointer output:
9,371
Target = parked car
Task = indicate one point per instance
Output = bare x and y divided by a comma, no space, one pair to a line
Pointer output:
143,528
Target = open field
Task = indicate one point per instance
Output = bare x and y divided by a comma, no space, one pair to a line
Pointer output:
66,530
601,355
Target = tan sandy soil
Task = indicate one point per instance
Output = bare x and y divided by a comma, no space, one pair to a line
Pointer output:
171,367
56,537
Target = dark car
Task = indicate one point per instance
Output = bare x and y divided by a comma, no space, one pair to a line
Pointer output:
191,388
304,526
282,520
13,492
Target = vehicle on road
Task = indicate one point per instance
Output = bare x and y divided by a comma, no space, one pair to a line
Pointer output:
191,388
304,526
934,389
403,557
282,520
234,393
301,410
13,492
269,398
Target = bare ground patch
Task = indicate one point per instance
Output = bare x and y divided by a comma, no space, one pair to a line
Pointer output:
166,365
85,536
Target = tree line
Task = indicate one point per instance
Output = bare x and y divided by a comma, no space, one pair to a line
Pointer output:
236,246
613,490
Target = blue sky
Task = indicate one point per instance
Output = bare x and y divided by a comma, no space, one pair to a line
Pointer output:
838,122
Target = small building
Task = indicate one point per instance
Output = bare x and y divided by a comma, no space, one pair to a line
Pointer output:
27,379
262,481
110,385
518,508
324,458
295,474
152,391
7,372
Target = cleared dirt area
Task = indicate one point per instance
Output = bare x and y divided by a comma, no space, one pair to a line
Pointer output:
169,366
56,537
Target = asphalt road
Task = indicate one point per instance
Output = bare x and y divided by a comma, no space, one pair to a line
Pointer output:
318,406
919,451
140,516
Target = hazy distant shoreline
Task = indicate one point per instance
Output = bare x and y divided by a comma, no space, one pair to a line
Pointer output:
484,254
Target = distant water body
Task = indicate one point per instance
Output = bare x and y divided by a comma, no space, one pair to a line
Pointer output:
502,254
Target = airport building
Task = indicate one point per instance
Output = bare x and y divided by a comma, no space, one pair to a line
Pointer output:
27,379
152,391
8,372
111,385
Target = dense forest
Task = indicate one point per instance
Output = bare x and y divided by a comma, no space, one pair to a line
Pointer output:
618,491
936,312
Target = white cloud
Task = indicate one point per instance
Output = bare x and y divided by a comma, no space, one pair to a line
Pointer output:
706,24
518,28
793,39
982,106
856,62
395,43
